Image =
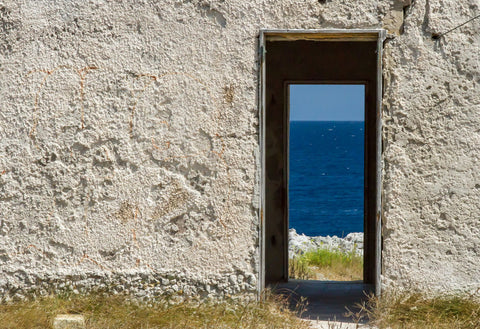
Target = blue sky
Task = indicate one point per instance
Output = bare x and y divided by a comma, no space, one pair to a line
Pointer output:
327,102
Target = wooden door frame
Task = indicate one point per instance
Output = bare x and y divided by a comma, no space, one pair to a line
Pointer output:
331,35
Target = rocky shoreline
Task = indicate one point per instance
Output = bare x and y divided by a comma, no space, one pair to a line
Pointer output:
301,243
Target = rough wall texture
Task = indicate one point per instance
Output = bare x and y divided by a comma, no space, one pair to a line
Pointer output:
129,142
432,150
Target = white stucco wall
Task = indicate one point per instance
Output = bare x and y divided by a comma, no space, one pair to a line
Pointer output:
129,142
432,150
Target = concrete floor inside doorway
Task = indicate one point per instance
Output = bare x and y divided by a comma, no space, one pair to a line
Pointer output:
327,301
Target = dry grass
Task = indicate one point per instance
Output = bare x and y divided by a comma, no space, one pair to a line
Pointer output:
120,312
298,268
324,264
415,311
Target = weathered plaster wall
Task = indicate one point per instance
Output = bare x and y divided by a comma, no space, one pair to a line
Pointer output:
129,142
432,150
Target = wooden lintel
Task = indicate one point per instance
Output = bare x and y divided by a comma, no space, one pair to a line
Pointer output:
322,36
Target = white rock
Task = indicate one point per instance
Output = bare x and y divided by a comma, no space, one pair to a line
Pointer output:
300,243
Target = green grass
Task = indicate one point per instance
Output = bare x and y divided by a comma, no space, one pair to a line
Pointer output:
328,265
102,311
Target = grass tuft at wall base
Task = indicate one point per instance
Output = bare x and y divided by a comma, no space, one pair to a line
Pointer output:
120,311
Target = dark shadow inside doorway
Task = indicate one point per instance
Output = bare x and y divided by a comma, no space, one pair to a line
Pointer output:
326,300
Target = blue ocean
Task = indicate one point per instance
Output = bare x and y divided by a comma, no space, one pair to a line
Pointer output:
326,177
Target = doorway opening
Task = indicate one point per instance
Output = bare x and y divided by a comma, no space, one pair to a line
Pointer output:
326,181
312,57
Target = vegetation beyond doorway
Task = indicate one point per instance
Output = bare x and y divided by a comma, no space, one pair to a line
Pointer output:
324,264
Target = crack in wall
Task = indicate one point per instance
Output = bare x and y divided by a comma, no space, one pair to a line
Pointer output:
394,20
408,5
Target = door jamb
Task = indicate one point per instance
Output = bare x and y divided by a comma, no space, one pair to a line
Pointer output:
378,35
